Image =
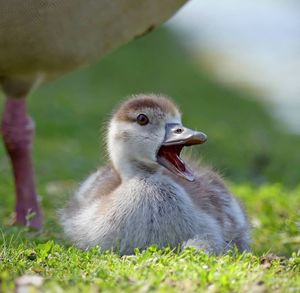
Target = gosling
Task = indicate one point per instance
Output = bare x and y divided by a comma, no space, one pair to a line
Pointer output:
148,195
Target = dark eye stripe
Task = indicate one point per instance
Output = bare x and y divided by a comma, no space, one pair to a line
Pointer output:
142,119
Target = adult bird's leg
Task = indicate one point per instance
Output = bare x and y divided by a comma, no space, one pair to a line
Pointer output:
18,131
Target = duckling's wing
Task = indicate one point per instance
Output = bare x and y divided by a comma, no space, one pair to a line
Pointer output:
210,195
81,218
99,184
208,191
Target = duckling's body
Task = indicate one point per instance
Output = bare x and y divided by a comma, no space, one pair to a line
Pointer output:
139,204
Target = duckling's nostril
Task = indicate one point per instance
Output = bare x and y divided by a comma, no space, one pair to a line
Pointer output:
178,130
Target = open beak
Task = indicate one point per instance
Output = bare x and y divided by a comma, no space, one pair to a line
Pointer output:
176,138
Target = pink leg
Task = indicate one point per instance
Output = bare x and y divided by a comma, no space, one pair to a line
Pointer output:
18,131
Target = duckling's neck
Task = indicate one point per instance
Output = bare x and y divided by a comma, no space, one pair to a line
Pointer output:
130,161
128,169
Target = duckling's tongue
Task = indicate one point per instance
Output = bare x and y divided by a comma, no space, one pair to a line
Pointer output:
168,156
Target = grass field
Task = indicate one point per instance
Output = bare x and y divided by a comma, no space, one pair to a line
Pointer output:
259,160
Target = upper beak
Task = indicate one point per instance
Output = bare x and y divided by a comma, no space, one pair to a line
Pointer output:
176,134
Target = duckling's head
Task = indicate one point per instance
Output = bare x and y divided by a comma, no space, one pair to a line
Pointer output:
146,134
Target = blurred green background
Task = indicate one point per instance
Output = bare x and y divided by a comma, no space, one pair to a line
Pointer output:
246,145
244,142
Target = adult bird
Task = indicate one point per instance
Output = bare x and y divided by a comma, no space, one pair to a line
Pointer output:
41,40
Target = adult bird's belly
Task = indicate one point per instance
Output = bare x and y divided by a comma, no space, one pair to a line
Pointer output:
51,37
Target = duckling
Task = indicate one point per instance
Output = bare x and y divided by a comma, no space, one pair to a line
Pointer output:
148,195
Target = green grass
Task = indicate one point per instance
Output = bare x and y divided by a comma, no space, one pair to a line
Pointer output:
258,158
69,269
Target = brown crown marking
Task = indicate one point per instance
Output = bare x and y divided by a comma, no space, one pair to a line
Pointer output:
141,102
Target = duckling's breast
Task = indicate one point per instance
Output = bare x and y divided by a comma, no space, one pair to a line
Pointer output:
152,211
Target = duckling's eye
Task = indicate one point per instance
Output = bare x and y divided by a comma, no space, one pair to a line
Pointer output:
142,119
